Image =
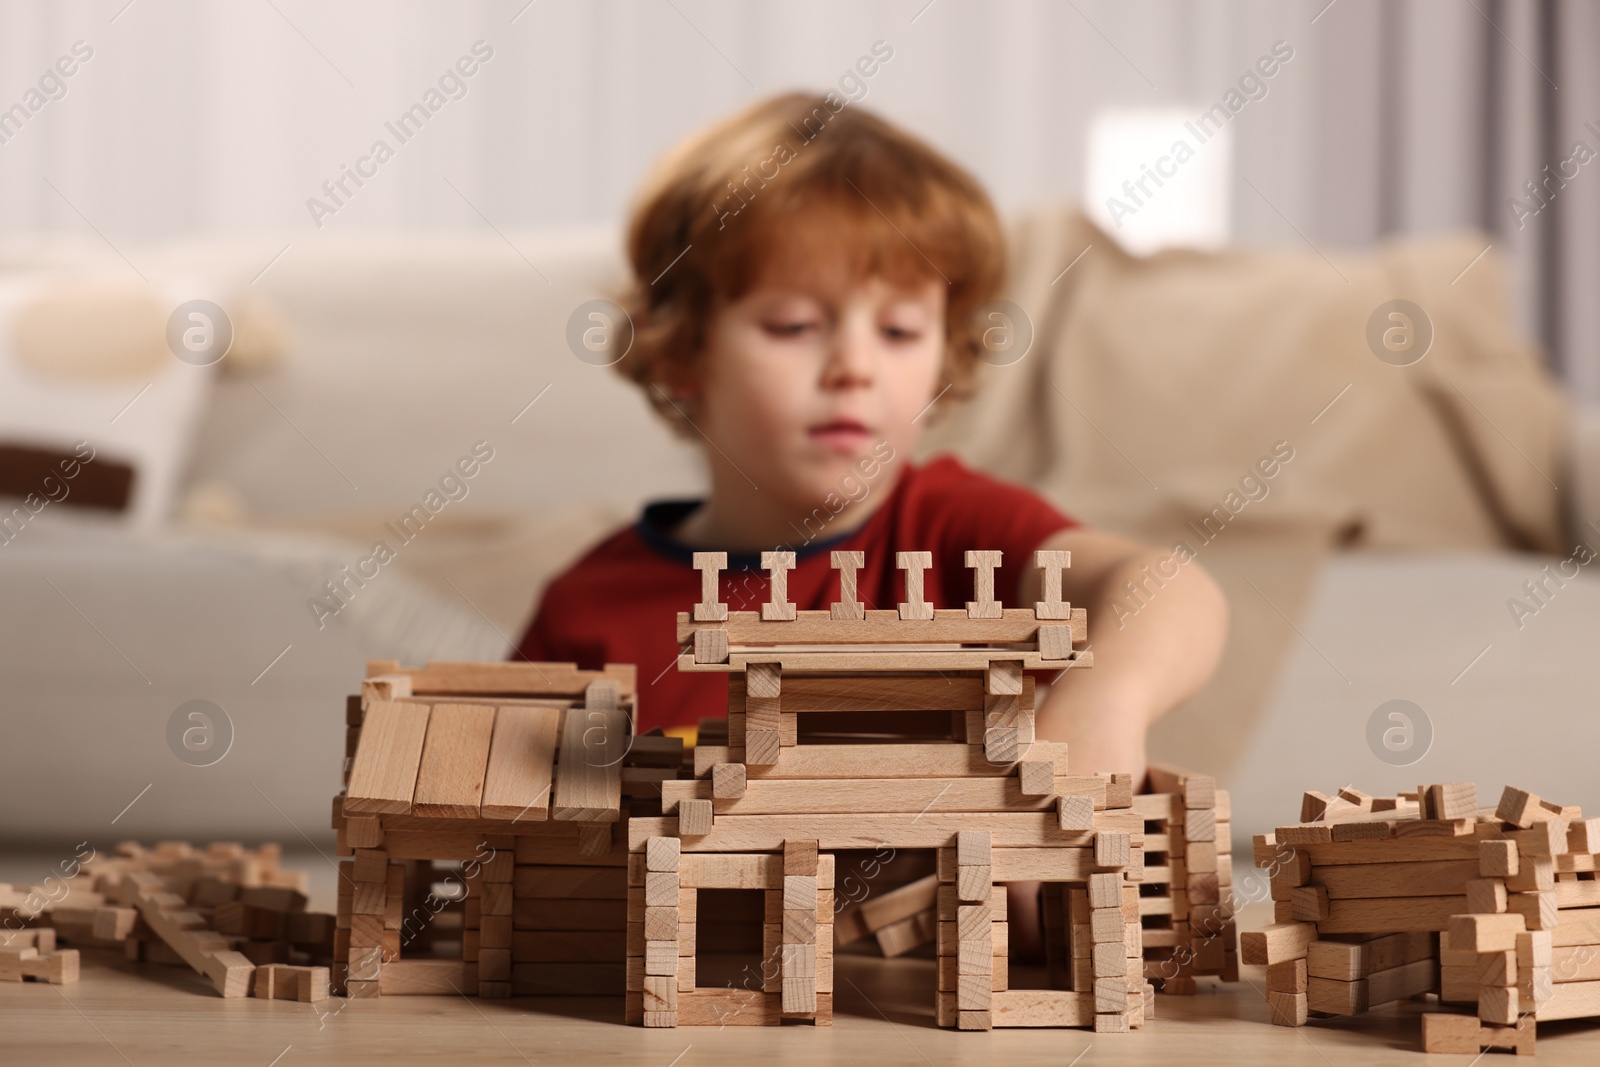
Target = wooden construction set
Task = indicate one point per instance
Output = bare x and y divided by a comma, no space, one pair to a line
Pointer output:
230,913
587,848
1378,899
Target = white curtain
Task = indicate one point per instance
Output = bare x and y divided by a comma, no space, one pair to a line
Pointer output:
218,119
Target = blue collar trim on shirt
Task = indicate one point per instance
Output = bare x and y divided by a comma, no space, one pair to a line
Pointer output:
659,518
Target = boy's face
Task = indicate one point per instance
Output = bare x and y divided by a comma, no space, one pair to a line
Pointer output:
801,381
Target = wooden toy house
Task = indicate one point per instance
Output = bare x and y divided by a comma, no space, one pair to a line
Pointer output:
483,809
910,728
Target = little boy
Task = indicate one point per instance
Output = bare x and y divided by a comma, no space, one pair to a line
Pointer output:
805,283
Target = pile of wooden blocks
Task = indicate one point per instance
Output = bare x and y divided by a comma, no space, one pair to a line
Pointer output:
1383,898
222,910
483,820
31,954
909,729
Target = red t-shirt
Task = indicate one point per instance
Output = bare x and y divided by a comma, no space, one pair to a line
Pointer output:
620,602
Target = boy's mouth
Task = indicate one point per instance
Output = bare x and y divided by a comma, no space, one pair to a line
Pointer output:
843,435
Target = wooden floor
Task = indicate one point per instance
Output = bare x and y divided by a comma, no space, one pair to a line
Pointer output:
121,1013
145,1014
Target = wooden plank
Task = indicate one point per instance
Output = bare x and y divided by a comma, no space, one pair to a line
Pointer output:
401,978
455,756
777,796
1407,850
529,679
879,627
1347,962
1041,1007
758,871
935,760
952,659
765,833
588,783
1571,1000
1422,879
1042,864
1391,915
383,775
521,764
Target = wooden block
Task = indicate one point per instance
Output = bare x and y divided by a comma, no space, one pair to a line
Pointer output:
1111,848
847,564
1539,911
383,774
711,645
1107,925
778,607
694,817
1055,642
1496,859
455,758
1050,564
1276,943
717,871
974,847
660,993
1105,890
1309,903
1497,968
1450,1034
661,889
1485,933
661,957
1498,1004
588,781
800,927
710,608
1347,961
728,781
1003,678
1110,960
1534,949
1517,807
1038,777
662,854
914,564
1288,976
413,978
983,564
973,921
1075,813
1288,1009
800,858
522,755
1111,1023
974,882
1534,874
1486,895
800,892
1399,914
1547,837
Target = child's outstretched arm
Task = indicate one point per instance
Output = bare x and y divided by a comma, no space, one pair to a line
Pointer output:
1146,661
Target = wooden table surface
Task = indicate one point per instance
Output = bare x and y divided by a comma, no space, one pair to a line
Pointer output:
122,1013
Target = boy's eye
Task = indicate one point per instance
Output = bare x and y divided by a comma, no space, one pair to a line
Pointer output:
788,329
901,333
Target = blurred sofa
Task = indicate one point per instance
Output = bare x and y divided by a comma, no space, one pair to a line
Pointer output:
1377,564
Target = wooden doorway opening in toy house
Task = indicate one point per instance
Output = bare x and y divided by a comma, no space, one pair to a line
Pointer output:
433,910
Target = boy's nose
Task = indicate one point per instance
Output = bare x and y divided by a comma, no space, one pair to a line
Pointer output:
850,360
